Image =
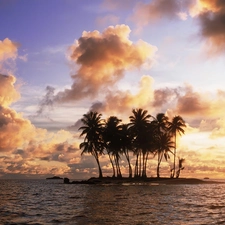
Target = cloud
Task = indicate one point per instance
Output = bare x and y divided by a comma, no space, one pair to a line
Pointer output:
8,49
23,147
14,129
8,93
192,103
8,53
125,100
156,10
211,17
102,58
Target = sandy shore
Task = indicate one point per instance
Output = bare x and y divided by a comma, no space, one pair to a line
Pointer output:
154,181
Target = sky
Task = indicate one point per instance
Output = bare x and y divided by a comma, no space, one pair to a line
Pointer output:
61,58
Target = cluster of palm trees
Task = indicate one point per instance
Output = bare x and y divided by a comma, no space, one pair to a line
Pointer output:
145,135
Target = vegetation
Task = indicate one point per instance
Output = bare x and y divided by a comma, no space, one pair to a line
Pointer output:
145,135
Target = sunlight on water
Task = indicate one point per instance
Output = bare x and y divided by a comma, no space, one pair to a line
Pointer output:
51,202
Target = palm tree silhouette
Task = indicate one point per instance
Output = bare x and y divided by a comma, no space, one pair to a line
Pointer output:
92,129
161,123
139,124
180,167
126,144
112,142
176,126
164,145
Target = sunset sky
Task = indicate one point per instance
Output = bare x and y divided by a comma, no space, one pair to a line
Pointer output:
61,58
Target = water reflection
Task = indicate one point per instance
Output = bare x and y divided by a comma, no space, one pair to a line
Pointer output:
46,202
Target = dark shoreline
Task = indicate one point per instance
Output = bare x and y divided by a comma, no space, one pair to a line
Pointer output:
154,181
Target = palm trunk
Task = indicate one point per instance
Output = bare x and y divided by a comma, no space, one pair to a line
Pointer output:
128,160
99,167
143,165
174,160
119,171
178,173
159,162
113,167
136,166
139,173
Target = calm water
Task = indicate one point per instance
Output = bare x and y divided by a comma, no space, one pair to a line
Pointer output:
51,202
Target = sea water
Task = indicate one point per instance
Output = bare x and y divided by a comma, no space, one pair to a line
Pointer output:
52,202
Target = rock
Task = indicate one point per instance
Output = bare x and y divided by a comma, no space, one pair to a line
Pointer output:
66,180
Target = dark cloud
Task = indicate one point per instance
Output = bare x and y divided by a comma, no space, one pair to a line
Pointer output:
213,29
47,100
164,96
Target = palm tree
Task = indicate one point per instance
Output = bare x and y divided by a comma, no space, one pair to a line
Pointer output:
180,167
126,144
161,122
164,145
112,142
139,123
176,126
92,130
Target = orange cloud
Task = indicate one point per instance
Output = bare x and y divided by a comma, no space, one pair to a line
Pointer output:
8,49
8,93
125,100
103,58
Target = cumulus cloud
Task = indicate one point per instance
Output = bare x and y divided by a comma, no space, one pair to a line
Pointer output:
8,54
103,59
8,93
8,49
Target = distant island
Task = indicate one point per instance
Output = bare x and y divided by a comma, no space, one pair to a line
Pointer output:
55,177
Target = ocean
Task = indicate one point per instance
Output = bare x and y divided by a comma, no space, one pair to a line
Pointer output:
40,202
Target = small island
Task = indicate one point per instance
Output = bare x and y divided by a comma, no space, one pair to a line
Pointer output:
54,178
140,181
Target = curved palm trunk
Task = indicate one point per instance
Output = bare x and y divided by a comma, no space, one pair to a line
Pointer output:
113,167
145,165
178,173
119,171
99,167
159,162
174,160
128,160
